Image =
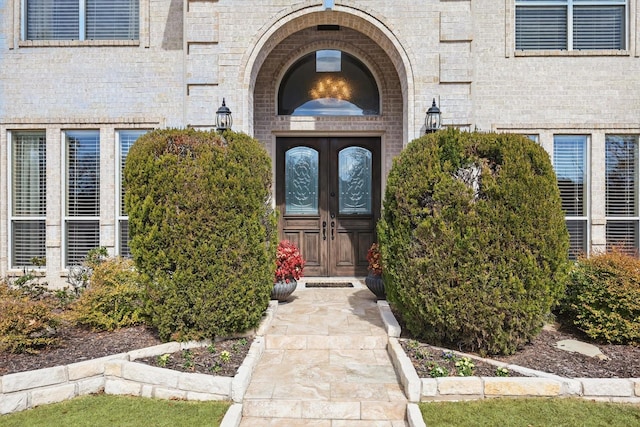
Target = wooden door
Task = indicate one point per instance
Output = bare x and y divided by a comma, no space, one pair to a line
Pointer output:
328,196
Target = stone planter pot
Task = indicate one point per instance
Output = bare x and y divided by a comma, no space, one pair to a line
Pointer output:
281,289
376,285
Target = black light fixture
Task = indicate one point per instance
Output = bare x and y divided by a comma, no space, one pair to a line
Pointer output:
432,121
223,118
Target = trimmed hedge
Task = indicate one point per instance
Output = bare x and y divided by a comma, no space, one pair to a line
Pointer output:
202,230
603,297
473,240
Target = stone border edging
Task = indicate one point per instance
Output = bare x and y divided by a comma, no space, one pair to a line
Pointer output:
119,374
533,384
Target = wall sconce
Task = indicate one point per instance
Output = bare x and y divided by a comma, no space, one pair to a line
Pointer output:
223,118
432,121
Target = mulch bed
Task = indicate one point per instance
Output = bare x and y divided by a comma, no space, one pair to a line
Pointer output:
79,344
542,355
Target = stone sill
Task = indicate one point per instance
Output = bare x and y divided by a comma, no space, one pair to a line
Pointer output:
612,52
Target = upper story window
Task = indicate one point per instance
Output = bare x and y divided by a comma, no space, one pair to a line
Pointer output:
328,83
571,24
80,20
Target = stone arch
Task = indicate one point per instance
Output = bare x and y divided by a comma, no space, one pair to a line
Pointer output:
310,14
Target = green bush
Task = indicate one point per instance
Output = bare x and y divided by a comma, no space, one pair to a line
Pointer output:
603,297
114,298
473,239
202,230
25,325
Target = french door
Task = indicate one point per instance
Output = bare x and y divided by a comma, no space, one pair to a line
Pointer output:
328,196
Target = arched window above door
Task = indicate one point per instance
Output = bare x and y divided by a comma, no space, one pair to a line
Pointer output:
328,83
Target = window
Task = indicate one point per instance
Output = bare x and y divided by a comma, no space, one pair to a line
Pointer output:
622,192
571,24
28,197
570,164
328,83
82,220
126,139
80,20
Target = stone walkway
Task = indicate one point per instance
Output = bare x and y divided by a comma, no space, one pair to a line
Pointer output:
325,364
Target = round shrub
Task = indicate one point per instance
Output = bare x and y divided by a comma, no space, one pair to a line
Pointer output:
25,325
473,239
202,230
113,299
603,297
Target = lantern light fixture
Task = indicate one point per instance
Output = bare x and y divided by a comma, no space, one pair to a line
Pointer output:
433,120
223,117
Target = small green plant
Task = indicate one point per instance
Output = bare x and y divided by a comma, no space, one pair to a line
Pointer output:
188,363
163,359
225,356
216,368
465,367
242,342
212,349
436,371
502,372
413,344
30,284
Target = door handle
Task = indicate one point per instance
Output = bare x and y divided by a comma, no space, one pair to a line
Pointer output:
333,227
324,230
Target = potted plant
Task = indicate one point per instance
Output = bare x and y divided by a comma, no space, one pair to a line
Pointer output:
374,278
289,266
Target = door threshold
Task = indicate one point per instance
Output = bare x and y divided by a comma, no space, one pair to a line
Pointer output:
332,282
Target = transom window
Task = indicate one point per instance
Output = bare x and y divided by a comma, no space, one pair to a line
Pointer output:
80,20
328,83
571,24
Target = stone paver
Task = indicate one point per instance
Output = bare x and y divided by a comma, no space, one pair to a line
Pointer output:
325,364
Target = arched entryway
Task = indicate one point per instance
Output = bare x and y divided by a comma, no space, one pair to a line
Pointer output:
349,140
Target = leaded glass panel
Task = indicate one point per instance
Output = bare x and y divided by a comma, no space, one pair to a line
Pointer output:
301,181
354,181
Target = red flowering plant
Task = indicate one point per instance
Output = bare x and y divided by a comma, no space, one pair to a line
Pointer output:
289,262
375,263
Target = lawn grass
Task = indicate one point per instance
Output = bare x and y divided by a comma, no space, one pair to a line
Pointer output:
530,413
120,411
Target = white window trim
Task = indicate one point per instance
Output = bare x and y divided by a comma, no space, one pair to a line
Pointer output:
10,217
636,217
511,34
65,199
143,32
587,176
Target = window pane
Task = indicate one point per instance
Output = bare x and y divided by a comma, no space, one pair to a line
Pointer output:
598,27
623,235
301,181
124,239
82,236
541,27
577,238
354,181
53,19
112,20
29,170
621,166
28,242
127,138
83,173
312,87
570,164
